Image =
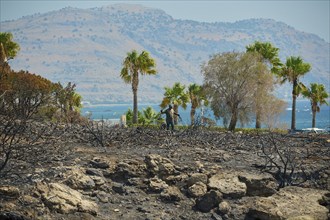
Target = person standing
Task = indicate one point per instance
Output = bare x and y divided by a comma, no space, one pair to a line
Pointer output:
169,112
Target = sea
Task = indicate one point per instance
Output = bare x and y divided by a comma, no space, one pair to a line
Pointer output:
112,113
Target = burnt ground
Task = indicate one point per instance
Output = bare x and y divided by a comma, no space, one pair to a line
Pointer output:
120,154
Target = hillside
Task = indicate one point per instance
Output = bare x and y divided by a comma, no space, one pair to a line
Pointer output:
87,46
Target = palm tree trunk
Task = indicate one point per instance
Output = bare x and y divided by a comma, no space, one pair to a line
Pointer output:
175,108
135,107
135,83
314,109
293,116
192,115
313,119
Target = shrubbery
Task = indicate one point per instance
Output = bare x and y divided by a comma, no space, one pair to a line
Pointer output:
25,95
146,117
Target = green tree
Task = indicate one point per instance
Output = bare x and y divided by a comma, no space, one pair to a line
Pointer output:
3,58
177,96
197,99
150,116
268,55
293,69
230,84
67,100
133,65
317,95
11,48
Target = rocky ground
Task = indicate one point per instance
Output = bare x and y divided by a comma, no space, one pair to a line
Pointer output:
96,172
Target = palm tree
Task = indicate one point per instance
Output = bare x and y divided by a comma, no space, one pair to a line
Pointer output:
134,64
176,96
268,55
197,99
293,69
317,95
11,48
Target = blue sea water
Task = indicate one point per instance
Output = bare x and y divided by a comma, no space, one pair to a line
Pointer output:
303,114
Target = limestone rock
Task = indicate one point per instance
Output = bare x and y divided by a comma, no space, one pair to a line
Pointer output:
160,166
258,184
302,217
209,201
228,184
197,190
157,185
171,194
77,179
178,180
126,170
197,177
290,202
9,192
63,199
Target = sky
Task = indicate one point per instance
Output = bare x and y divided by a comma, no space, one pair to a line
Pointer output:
311,16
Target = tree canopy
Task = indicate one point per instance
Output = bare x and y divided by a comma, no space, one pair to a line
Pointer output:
317,95
10,47
229,80
133,65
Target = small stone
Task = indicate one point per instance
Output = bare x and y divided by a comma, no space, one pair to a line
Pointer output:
197,190
224,207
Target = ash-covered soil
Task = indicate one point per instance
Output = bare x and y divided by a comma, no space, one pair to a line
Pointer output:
96,172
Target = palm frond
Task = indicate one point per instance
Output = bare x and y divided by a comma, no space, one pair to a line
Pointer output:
124,74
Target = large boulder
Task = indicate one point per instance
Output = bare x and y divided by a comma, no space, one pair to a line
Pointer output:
290,203
258,184
228,184
63,199
160,166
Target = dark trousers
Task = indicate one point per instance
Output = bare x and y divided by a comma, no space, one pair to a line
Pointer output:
168,124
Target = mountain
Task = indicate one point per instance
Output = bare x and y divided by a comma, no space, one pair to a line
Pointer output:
87,47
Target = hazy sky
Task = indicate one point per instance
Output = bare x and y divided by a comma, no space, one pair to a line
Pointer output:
310,16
